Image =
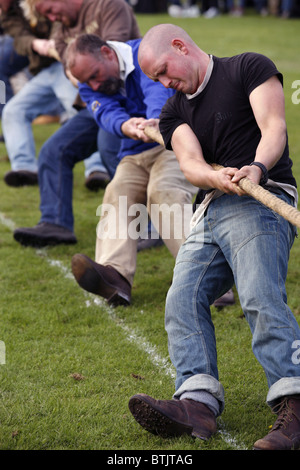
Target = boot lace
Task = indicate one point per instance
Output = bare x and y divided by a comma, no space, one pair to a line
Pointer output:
284,413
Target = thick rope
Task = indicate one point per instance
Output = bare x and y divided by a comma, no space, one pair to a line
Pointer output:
290,213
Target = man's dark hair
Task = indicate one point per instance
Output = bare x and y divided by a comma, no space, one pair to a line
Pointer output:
85,44
89,44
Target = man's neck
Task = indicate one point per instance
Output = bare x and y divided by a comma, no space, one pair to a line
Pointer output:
207,73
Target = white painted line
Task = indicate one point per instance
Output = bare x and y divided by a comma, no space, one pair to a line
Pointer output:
7,222
132,335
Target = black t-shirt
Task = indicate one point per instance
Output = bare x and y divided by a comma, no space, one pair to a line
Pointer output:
221,115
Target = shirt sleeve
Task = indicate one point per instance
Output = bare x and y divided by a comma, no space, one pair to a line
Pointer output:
170,119
116,21
256,69
108,111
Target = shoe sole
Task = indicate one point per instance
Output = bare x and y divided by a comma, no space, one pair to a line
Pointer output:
91,280
38,242
156,422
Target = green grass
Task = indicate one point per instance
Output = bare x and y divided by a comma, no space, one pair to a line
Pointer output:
52,329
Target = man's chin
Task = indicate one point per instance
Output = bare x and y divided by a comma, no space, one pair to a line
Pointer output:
111,86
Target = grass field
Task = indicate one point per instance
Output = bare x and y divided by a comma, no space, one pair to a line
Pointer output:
72,363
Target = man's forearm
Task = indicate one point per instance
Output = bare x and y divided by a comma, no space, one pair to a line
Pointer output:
271,145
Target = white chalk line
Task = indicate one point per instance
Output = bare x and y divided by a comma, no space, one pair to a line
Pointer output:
7,222
132,335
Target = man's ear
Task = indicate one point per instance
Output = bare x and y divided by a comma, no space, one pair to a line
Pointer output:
106,51
179,46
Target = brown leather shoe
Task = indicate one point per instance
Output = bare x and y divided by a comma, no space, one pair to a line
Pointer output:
21,178
285,434
170,418
101,280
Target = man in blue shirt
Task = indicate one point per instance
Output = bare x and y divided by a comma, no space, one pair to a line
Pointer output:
123,101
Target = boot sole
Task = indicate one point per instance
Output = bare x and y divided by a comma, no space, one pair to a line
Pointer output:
91,280
156,422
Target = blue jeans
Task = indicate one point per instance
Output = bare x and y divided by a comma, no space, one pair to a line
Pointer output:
239,241
11,63
287,5
49,92
75,141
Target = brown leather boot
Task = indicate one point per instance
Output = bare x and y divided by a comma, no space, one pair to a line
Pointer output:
285,434
105,281
170,418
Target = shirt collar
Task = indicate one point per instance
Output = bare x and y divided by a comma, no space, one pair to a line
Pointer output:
205,81
125,57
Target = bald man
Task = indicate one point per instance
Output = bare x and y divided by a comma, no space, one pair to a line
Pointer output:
228,111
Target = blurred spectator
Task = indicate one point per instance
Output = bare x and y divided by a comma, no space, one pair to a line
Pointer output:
149,6
189,9
235,7
286,8
210,8
272,7
261,7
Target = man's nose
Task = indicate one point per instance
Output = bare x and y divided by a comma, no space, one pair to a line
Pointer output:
94,84
165,81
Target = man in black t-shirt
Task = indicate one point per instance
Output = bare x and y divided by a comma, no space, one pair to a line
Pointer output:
228,111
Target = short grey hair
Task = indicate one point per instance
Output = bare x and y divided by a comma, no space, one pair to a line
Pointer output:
85,44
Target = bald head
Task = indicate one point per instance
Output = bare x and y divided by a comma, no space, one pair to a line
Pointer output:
159,39
169,55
